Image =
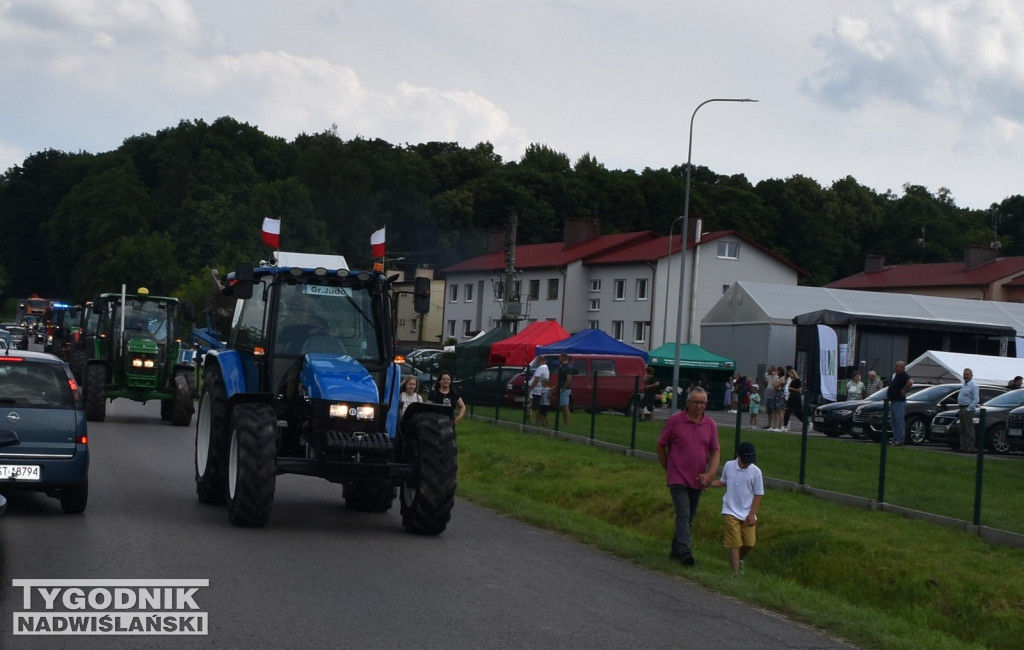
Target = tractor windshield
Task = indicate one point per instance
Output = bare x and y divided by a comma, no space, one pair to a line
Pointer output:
332,319
147,317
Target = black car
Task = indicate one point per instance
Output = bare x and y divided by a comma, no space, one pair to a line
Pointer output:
487,387
922,406
44,440
836,419
946,425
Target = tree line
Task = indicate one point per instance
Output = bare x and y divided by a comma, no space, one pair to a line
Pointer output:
162,210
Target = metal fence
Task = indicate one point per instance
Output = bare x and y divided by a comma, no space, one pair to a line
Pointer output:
982,492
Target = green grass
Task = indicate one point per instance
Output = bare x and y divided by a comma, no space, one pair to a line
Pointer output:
876,579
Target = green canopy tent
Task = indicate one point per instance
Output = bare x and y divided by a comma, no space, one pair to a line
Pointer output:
471,356
695,364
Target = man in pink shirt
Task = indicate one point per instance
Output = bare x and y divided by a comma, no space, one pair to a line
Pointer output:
688,450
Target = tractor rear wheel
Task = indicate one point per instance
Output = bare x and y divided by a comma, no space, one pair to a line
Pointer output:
252,464
427,501
96,392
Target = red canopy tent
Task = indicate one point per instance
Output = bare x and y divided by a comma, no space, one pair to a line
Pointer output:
520,349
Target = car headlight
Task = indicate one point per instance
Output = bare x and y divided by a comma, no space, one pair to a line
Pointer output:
355,411
843,412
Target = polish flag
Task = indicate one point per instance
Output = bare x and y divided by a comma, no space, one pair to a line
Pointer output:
272,232
377,243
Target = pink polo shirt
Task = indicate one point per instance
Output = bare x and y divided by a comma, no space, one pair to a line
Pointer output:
688,445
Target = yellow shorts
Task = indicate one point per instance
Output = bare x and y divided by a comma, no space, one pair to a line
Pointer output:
738,533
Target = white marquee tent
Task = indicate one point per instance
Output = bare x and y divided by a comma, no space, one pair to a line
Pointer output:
937,367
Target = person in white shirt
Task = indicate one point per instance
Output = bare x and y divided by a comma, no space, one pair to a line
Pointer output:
410,393
538,387
744,487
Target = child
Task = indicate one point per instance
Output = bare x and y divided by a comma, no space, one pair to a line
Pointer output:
755,405
744,489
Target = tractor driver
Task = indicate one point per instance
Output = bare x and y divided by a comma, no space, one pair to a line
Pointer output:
299,323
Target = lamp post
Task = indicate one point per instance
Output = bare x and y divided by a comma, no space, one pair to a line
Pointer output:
668,279
682,251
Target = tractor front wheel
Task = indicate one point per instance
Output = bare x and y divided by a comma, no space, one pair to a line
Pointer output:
427,501
252,464
211,439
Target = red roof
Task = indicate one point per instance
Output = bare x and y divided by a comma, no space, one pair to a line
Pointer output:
621,248
944,274
536,256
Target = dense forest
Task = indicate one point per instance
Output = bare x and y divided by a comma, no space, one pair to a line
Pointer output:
163,209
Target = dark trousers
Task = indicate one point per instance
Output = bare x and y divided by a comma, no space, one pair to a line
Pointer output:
685,501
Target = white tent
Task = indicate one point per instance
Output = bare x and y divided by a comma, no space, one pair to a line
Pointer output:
937,367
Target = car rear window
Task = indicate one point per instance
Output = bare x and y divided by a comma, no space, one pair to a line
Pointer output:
38,385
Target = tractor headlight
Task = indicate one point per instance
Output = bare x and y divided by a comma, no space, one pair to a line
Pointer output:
354,411
139,362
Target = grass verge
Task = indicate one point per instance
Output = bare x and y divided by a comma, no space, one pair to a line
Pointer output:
876,579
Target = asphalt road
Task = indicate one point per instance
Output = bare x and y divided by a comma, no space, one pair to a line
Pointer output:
319,576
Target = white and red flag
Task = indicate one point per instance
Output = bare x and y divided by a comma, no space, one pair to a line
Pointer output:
272,232
377,243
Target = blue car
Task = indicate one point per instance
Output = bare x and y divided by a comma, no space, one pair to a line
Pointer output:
43,435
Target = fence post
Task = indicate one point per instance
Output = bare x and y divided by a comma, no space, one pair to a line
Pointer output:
803,440
884,437
593,407
635,409
979,443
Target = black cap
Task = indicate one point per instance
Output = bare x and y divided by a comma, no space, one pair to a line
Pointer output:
746,452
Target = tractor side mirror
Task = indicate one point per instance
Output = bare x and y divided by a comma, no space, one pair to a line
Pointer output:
241,287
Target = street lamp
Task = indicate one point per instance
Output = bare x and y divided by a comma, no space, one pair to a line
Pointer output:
668,280
682,251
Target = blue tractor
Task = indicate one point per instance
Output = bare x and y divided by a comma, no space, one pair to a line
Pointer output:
307,384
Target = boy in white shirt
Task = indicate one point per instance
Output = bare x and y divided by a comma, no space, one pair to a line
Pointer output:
744,488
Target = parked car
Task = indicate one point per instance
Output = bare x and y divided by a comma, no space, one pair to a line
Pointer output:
836,419
946,425
424,378
922,406
44,440
424,358
487,387
618,379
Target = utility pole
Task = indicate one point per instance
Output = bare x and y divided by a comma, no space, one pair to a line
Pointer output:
504,289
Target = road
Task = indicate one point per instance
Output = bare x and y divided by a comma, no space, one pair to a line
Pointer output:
320,576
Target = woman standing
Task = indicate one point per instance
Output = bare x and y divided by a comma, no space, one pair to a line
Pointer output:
794,403
855,388
410,393
779,408
445,393
769,397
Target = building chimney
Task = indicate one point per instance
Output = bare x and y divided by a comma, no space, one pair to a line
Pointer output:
874,263
580,229
975,256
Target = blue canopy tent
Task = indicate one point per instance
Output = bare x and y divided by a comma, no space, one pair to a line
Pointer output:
591,341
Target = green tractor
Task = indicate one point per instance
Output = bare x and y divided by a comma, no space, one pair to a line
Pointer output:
137,353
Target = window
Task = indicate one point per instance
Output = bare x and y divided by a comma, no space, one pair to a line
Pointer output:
619,290
553,289
725,289
414,325
517,289
595,304
453,293
595,285
534,289
467,327
469,293
593,324
451,328
617,329
640,328
603,367
641,289
729,250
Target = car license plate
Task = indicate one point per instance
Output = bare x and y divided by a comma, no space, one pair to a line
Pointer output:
857,429
19,472
938,428
818,419
1016,433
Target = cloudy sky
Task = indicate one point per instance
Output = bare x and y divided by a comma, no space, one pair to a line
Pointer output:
889,92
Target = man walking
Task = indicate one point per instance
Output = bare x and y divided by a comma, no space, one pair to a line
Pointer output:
688,450
967,400
897,396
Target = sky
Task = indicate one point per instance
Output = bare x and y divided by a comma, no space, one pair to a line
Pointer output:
890,92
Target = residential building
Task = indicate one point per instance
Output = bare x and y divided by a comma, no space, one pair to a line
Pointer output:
625,284
981,276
